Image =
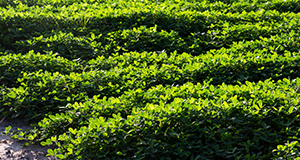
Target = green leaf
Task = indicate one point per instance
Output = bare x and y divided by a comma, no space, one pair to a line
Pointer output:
217,147
50,151
54,138
25,144
93,36
256,107
260,103
43,143
211,88
60,156
197,157
7,129
12,95
290,110
73,131
226,105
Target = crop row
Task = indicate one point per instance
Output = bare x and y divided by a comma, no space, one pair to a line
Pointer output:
54,89
13,64
230,5
95,34
250,121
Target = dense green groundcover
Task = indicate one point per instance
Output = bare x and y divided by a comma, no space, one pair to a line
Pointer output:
153,79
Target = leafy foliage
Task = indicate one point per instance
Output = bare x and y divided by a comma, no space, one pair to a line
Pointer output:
153,79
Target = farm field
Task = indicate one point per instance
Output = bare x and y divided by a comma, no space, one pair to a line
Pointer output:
153,79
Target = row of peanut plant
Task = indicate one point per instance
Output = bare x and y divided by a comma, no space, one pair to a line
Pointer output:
153,79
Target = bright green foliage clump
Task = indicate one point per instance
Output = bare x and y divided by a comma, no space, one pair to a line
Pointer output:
153,79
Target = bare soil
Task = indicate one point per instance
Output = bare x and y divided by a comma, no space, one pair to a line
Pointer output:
12,150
